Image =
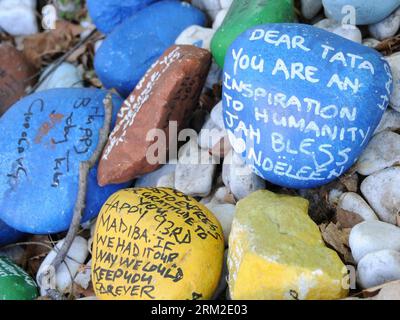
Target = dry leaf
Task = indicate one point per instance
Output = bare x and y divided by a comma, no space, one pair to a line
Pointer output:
386,291
45,45
320,209
350,181
79,292
230,198
338,239
77,54
347,219
36,252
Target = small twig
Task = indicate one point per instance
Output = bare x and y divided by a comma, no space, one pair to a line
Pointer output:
80,203
60,60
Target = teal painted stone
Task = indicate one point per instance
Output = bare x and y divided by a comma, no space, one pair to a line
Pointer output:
15,283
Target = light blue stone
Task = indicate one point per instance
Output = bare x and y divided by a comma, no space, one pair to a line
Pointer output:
107,14
44,138
300,104
367,11
130,50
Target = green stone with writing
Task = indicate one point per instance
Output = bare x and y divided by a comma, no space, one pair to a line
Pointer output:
15,283
244,14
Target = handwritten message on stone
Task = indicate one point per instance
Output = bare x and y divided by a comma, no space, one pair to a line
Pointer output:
45,136
300,103
156,244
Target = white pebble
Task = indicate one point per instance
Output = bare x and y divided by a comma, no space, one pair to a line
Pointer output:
18,17
334,197
344,30
210,134
83,277
195,170
378,268
196,36
370,42
310,8
67,270
382,192
394,62
211,7
239,177
214,75
225,4
167,181
219,19
152,179
64,76
387,27
390,121
382,152
98,44
217,115
390,291
217,197
371,236
353,202
224,214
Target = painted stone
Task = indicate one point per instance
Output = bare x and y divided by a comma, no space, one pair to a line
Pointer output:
366,11
276,252
8,234
300,103
130,50
156,243
110,13
45,136
243,15
15,283
15,76
169,91
196,36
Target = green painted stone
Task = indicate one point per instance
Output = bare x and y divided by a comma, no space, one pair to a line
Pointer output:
244,14
15,283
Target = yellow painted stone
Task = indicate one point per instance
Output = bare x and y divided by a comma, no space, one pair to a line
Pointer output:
276,252
156,243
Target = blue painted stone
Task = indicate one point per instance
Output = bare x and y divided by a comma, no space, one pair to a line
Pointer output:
300,103
367,11
8,234
44,137
107,14
130,50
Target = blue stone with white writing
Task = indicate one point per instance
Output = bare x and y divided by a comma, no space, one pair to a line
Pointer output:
130,50
300,103
364,11
107,14
44,137
8,235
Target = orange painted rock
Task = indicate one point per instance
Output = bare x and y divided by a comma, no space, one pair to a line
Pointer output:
169,91
15,75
